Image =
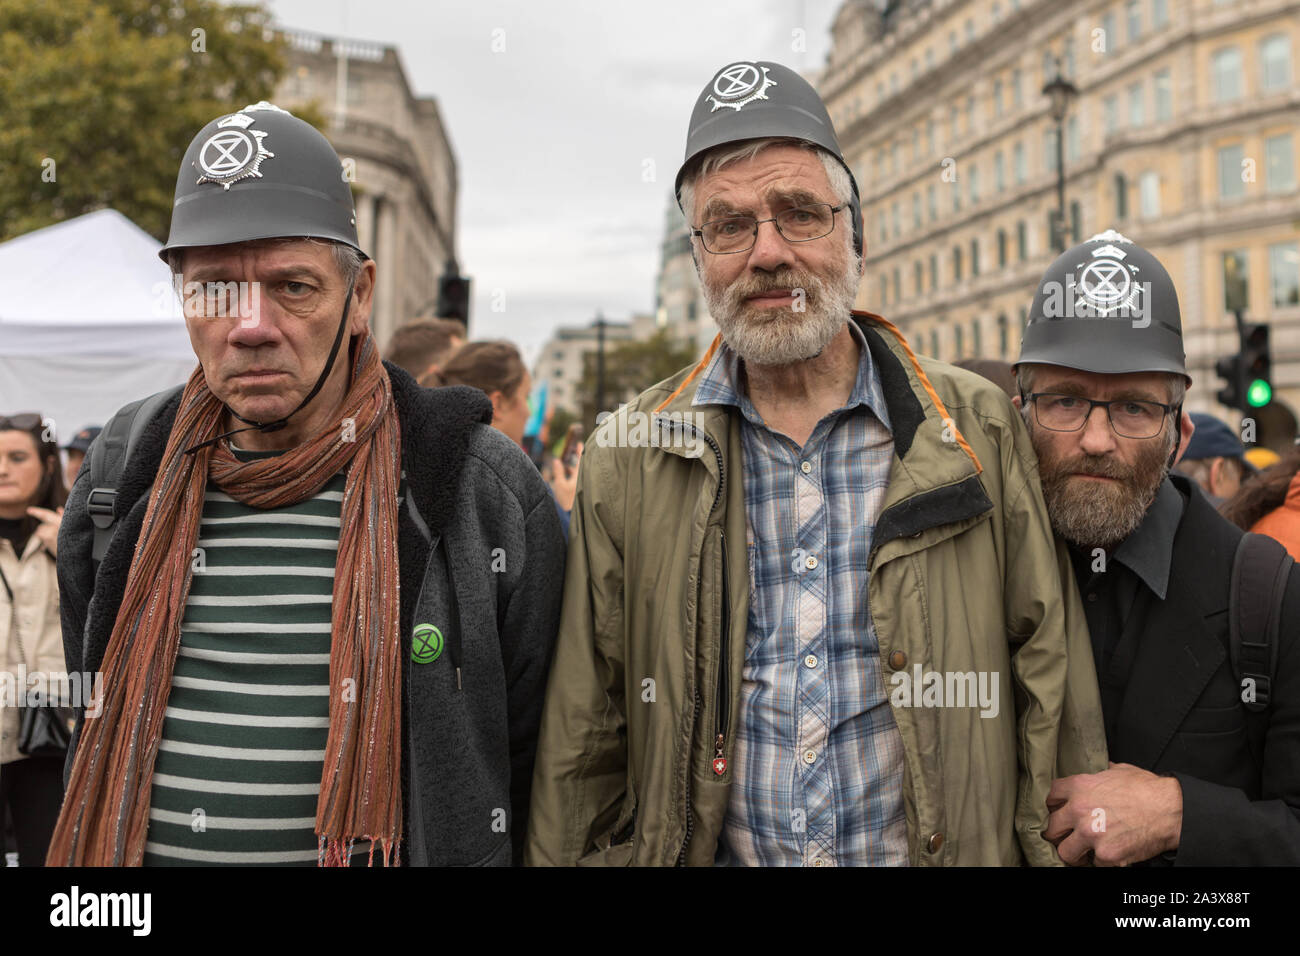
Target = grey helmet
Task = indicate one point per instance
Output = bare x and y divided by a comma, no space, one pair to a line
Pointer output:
756,100
1108,306
260,173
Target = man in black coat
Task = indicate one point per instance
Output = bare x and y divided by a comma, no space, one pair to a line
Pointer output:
1102,380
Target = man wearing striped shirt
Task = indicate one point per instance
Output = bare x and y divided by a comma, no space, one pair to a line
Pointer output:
307,581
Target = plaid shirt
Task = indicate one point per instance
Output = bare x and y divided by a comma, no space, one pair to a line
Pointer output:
817,758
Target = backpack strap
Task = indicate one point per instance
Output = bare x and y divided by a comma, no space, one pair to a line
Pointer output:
108,457
1260,570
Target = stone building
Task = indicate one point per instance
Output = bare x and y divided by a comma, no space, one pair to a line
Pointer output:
1183,137
396,147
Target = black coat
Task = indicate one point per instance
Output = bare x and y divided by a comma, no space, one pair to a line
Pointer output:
478,515
1173,704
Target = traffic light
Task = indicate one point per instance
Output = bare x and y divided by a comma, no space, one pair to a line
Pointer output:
1228,368
1256,366
453,294
1248,375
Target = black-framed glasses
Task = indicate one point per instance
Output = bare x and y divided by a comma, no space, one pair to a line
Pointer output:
722,237
1129,417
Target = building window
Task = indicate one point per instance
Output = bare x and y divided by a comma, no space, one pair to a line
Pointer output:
1231,185
1003,344
1076,222
1159,14
1017,98
952,42
1284,272
934,342
1164,91
893,84
1018,163
918,275
1279,163
976,346
970,30
956,263
1022,241
1002,248
1110,113
974,258
997,97
934,272
1121,197
898,285
956,197
958,342
1133,17
929,59
1049,67
916,143
1072,139
1067,58
1049,149
898,219
953,117
974,181
1236,290
999,173
916,210
1225,75
1109,35
970,116
929,137
1275,62
930,203
895,158
1149,195
1136,106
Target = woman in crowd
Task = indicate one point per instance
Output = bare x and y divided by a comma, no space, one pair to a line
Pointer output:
1269,503
499,371
31,646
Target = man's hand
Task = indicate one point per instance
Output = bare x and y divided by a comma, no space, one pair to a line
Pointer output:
1120,816
48,529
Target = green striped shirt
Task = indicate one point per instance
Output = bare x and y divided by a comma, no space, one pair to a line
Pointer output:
243,742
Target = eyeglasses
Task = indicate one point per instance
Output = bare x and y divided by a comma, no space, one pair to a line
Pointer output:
1130,418
739,233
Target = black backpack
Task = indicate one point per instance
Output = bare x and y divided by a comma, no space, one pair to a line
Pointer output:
107,460
1260,571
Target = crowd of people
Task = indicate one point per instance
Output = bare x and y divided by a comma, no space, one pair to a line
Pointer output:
815,600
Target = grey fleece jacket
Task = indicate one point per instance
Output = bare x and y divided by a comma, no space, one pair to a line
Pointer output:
479,515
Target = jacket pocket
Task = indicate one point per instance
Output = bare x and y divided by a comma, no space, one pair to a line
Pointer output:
619,855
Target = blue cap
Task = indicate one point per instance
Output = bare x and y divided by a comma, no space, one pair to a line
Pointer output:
1213,439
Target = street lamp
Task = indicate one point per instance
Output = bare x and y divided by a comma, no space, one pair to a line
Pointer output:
1059,92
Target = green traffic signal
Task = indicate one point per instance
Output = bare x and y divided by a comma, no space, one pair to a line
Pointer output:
1259,394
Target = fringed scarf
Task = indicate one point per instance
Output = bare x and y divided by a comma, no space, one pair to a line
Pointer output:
105,816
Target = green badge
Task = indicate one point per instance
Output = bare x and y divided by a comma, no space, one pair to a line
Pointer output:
426,644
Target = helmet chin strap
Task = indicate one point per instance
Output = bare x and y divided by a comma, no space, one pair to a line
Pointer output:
280,423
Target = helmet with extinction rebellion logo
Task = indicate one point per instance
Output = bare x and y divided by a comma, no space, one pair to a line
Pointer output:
757,100
260,173
1108,306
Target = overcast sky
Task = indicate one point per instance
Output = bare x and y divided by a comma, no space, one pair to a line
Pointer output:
553,135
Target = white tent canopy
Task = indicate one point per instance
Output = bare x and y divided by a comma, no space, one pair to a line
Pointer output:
88,321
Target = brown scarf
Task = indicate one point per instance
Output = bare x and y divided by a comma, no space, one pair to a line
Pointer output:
105,815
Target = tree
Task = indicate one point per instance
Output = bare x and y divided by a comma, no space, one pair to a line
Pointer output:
630,368
100,98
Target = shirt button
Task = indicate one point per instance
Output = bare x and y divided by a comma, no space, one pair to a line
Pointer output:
811,562
810,756
820,862
935,842
810,660
805,467
898,660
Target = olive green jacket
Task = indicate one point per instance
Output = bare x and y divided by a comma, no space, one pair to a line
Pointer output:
965,576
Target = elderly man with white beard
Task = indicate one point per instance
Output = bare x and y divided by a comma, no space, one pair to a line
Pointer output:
791,565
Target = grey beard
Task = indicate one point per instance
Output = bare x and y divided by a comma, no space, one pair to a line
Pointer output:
783,336
1095,517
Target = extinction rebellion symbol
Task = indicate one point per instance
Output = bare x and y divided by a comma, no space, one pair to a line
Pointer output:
740,84
232,153
426,644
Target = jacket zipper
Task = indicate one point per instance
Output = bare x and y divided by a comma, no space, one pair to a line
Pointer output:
724,707
720,738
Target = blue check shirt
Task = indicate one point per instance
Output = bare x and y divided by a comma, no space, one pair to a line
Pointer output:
817,758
